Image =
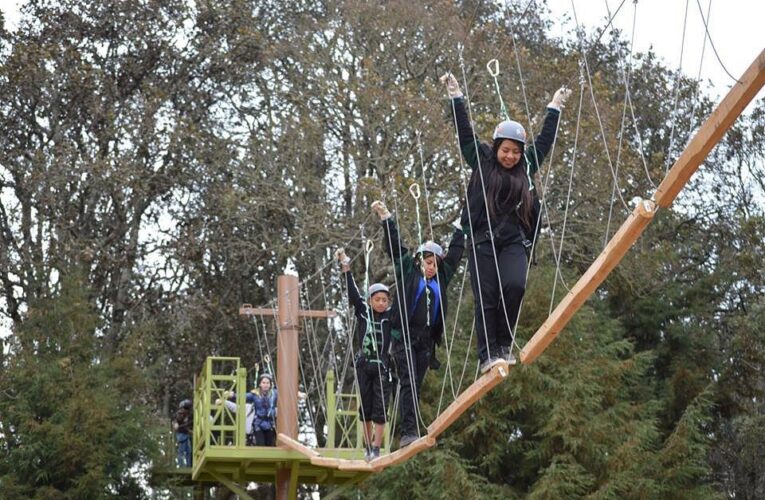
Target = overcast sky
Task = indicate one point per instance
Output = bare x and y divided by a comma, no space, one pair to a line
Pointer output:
736,27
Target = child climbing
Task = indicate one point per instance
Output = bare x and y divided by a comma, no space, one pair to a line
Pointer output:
500,219
372,364
417,312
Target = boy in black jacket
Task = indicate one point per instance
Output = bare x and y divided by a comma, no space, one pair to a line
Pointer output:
418,311
372,366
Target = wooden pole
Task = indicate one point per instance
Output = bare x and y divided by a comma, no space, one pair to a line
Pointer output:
590,280
287,369
289,313
695,152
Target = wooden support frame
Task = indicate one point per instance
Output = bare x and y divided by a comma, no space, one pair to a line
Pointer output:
232,486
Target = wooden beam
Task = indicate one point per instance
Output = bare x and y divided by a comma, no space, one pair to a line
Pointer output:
317,314
465,400
232,486
297,446
286,370
711,131
403,454
294,473
695,152
590,280
248,310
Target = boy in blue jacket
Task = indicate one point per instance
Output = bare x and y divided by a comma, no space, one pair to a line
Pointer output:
417,312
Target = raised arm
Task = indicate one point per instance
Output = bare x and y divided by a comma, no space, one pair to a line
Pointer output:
537,153
354,297
392,243
456,249
469,143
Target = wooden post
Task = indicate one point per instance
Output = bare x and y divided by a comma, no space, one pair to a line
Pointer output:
695,152
289,314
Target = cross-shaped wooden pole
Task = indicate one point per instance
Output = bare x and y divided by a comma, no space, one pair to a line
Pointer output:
289,314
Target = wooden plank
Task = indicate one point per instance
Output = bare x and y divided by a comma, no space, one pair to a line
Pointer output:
403,454
590,280
356,465
332,463
294,445
248,310
469,396
317,314
711,131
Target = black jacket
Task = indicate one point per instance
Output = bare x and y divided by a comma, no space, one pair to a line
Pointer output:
408,277
183,421
362,310
481,155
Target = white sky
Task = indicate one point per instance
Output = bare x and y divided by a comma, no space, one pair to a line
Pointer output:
736,27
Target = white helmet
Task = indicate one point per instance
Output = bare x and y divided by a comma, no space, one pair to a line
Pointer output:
431,247
377,287
510,129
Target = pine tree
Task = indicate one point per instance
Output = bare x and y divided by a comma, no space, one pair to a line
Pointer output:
70,428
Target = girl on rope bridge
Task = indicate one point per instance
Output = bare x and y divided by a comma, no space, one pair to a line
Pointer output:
501,219
417,312
372,364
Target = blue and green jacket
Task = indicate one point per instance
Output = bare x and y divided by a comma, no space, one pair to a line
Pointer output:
409,277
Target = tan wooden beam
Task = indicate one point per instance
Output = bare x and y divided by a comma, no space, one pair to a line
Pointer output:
248,310
465,400
403,454
590,280
711,131
288,442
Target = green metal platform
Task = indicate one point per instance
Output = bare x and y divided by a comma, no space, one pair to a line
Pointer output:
220,453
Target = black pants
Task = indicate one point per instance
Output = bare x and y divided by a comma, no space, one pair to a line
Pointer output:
494,317
374,388
265,438
412,362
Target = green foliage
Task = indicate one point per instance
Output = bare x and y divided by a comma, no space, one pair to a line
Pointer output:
181,153
69,429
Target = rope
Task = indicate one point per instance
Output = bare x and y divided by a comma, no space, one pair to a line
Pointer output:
595,104
568,196
695,99
712,44
447,369
542,201
626,71
668,159
486,206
